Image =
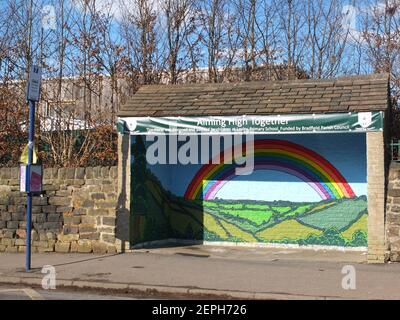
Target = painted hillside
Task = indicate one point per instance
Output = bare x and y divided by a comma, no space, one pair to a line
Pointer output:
340,222
334,222
159,214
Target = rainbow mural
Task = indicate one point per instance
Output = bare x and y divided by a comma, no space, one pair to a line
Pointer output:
278,155
313,205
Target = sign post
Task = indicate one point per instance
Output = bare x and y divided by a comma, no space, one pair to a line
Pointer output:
32,95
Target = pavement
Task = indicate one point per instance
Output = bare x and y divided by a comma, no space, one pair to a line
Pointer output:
211,272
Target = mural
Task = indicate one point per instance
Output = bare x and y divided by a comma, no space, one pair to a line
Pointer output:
276,155
302,191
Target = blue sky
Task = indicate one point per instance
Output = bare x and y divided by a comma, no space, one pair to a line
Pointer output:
113,7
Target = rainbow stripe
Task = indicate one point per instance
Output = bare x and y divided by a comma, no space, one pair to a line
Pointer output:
277,155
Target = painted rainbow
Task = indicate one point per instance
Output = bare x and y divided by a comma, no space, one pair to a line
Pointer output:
277,155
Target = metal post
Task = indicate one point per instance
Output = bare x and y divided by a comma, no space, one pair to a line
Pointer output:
29,194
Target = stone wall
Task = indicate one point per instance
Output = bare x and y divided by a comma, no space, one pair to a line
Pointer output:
75,213
393,212
376,197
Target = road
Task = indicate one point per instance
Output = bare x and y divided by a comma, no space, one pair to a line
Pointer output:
29,293
259,273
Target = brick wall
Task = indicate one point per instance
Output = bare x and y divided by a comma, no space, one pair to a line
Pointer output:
76,212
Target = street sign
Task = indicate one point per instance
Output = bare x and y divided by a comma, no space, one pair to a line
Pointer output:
35,178
34,79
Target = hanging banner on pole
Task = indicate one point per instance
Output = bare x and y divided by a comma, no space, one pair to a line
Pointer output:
307,123
24,155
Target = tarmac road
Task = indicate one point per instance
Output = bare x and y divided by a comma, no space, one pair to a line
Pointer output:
29,293
245,273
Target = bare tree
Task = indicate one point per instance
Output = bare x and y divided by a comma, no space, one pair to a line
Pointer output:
215,21
268,30
180,24
141,33
381,41
327,38
246,11
292,23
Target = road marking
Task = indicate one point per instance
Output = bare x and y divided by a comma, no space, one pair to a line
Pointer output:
34,295
9,290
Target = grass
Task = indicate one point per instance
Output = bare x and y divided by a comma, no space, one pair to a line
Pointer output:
251,221
238,233
289,222
257,217
281,209
211,224
288,229
339,216
361,224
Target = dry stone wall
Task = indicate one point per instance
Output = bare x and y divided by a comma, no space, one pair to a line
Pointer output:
393,212
75,213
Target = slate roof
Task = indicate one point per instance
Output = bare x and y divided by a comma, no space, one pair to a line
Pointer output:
361,93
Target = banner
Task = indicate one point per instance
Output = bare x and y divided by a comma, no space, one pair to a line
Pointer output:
307,123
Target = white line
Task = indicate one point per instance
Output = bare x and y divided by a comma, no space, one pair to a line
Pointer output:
34,295
9,290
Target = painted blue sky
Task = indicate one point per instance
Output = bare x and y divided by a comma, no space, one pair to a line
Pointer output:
347,152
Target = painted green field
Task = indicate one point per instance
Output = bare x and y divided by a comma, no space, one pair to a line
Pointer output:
159,214
335,222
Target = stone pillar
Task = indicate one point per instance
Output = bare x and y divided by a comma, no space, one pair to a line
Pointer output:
376,197
124,192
